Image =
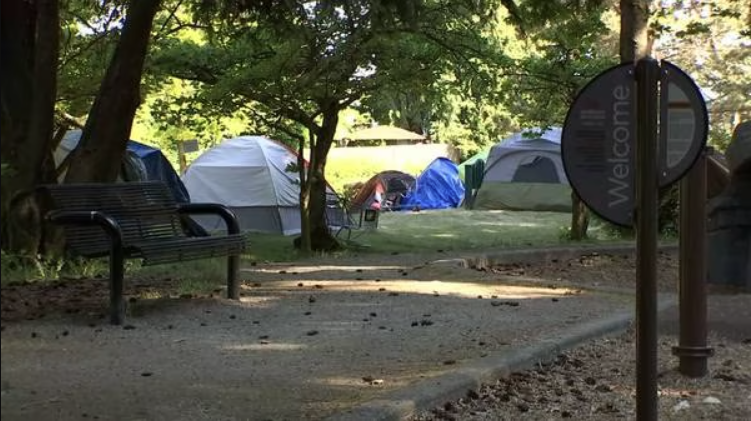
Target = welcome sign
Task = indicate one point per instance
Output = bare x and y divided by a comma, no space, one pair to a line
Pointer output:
598,143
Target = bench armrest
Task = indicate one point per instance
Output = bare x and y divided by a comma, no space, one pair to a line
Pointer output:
108,223
212,208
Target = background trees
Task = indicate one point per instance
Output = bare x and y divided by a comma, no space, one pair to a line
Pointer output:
459,71
295,66
711,41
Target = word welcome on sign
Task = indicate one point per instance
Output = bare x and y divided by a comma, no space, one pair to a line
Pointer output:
599,137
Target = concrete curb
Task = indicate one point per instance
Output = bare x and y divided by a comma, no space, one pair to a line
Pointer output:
406,402
545,254
403,403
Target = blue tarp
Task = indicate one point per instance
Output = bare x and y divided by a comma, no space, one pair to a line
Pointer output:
159,168
438,187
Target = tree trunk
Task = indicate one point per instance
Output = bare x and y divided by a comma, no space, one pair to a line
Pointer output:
304,242
105,136
635,44
320,235
634,40
17,27
579,218
29,41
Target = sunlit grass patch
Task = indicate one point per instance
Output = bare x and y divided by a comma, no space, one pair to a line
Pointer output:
429,231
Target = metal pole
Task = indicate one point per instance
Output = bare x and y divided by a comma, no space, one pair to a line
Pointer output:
692,349
647,75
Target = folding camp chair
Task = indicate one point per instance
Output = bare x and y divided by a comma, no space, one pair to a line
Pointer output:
393,201
338,218
349,224
359,221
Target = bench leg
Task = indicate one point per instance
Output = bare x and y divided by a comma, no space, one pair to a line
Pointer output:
233,287
117,274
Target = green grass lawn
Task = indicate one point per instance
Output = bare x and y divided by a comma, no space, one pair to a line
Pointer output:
458,229
397,232
429,231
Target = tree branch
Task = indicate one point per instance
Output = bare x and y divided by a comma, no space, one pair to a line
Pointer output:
86,47
172,12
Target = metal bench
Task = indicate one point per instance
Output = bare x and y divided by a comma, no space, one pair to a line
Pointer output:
138,221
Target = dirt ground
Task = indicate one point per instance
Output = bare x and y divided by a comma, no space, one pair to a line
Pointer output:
306,341
87,297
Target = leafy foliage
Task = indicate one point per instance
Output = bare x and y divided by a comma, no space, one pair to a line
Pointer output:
710,40
89,31
564,55
293,66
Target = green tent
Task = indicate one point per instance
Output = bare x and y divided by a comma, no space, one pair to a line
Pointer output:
480,155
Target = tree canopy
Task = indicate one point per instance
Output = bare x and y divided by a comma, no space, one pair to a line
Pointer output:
464,72
294,66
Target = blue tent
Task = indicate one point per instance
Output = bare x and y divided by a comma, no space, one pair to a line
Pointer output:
158,168
438,187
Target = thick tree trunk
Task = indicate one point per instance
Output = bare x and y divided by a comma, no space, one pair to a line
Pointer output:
17,27
46,56
320,235
105,136
29,39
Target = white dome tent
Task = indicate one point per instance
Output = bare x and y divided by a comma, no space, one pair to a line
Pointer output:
249,175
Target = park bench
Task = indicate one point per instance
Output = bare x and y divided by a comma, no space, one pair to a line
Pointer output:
139,220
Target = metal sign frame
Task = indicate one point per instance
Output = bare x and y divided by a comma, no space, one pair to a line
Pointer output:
671,74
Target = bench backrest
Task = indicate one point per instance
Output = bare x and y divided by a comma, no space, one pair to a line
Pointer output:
144,211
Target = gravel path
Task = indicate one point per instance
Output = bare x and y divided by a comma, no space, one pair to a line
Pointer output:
307,340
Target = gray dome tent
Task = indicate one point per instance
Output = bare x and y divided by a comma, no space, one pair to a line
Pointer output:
525,172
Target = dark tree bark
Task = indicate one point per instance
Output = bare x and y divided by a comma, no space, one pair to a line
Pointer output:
579,218
635,43
315,234
29,44
304,242
320,235
107,130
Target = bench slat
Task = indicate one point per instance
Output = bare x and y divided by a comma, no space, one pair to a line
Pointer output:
139,220
143,211
161,251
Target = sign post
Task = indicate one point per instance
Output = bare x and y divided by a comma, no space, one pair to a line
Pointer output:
647,76
616,165
182,148
692,350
